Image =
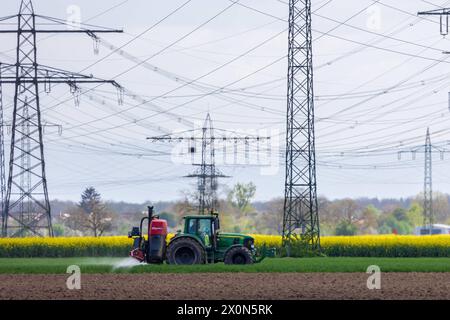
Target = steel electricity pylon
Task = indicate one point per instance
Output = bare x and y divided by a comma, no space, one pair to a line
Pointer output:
4,125
27,207
301,218
428,185
427,149
207,173
2,154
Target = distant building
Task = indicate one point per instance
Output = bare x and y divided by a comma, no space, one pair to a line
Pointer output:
436,229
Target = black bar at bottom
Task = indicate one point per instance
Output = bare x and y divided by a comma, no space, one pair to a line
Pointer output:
226,309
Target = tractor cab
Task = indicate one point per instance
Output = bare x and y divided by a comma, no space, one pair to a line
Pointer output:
205,228
232,248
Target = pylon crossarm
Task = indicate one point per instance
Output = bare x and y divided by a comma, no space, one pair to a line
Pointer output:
58,22
14,16
439,149
436,12
212,175
47,74
50,72
83,27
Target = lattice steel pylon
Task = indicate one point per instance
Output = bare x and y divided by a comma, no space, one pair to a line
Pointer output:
207,174
428,185
2,155
427,149
301,218
27,205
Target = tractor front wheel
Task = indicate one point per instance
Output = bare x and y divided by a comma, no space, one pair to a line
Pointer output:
238,255
185,251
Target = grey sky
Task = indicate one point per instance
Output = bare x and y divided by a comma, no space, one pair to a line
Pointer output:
378,83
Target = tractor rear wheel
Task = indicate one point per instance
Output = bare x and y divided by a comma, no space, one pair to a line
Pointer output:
238,255
185,251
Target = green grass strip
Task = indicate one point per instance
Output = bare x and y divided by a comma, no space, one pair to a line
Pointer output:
340,264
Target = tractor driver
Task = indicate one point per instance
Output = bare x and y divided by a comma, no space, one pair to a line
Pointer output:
205,231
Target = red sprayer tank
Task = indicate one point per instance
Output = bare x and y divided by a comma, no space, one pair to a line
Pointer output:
158,227
157,240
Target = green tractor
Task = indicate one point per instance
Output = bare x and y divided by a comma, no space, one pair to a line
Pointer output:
200,242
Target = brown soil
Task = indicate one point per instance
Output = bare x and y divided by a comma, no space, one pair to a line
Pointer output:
228,286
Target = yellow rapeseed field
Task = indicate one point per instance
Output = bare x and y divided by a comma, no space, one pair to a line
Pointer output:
371,245
387,245
387,240
64,247
375,245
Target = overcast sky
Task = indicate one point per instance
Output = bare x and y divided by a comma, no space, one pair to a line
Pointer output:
380,80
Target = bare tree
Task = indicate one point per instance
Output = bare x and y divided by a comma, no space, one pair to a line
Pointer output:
241,195
91,214
345,209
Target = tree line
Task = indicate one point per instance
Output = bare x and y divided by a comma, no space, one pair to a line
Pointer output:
240,213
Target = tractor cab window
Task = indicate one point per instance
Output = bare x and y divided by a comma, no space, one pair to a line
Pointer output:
205,226
204,231
192,227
